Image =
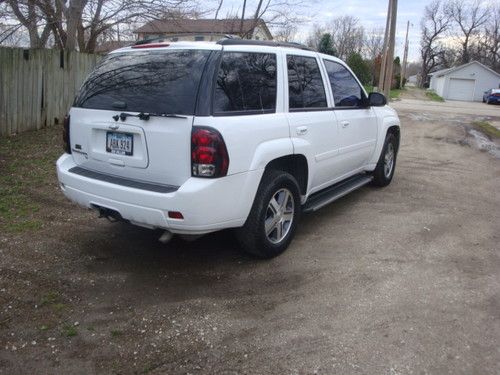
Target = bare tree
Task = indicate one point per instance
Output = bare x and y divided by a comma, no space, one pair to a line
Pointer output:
314,36
286,32
80,23
469,16
278,14
31,18
489,44
348,36
434,25
9,34
373,43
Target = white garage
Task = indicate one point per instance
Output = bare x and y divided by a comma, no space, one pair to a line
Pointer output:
465,82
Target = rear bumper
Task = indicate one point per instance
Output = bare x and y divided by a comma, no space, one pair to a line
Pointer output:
207,205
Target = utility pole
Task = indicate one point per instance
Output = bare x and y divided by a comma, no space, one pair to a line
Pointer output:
405,57
388,57
383,63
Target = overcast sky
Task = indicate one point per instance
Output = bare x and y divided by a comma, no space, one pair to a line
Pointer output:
371,13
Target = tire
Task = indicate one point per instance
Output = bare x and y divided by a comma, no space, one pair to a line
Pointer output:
384,171
278,198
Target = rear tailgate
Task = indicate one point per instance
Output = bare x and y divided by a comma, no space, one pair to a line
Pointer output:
159,148
107,134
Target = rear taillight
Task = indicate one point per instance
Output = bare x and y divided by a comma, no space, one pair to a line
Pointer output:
209,156
65,135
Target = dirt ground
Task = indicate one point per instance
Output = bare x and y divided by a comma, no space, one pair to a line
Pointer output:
400,280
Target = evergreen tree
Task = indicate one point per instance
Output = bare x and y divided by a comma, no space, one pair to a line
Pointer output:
360,68
325,45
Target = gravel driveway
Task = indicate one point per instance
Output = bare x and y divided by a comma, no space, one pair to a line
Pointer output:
401,280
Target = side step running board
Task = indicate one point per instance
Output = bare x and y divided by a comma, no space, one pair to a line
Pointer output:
332,193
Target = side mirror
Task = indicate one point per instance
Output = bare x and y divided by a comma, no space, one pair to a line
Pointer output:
376,99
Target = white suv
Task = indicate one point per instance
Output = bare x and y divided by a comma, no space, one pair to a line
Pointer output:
195,137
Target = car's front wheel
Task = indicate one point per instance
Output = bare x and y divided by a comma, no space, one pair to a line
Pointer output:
383,173
271,224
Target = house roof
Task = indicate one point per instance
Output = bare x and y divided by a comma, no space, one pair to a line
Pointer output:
443,72
201,26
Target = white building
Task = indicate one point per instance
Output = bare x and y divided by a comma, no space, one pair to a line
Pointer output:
412,80
465,82
203,29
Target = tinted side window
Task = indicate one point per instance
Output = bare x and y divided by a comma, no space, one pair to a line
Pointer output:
346,90
305,85
246,82
145,81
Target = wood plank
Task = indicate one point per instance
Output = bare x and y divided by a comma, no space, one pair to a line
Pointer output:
34,92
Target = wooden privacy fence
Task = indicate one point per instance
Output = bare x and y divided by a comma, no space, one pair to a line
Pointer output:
37,86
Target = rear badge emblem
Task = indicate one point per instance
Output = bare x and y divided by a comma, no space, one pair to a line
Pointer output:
114,127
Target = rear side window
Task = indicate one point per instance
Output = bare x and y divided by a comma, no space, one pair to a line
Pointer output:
305,84
246,82
346,90
145,81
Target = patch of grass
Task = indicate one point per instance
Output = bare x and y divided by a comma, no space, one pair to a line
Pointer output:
147,369
433,96
487,128
24,226
59,306
116,333
53,299
395,93
368,88
27,178
69,331
49,298
44,327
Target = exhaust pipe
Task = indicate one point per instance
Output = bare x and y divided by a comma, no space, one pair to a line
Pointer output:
166,237
107,213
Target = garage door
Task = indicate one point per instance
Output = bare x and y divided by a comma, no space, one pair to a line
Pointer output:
461,89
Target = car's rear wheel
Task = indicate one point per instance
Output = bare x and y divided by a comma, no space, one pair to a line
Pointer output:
271,224
383,173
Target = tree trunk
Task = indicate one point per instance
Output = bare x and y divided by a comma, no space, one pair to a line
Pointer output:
243,17
73,17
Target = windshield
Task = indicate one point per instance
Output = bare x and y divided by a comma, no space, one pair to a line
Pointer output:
145,81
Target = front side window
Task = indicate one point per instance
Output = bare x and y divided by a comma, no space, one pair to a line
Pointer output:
246,82
305,85
155,82
346,90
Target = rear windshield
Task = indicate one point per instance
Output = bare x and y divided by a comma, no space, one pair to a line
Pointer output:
145,81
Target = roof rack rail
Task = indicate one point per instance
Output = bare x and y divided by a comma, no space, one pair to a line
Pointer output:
152,40
269,43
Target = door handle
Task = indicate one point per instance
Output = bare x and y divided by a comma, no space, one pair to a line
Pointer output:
302,130
345,124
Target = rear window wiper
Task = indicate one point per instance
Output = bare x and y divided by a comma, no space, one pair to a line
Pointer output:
145,116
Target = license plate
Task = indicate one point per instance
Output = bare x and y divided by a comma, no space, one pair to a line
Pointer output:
120,143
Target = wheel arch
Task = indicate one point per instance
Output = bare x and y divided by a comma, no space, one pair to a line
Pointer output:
296,165
396,131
